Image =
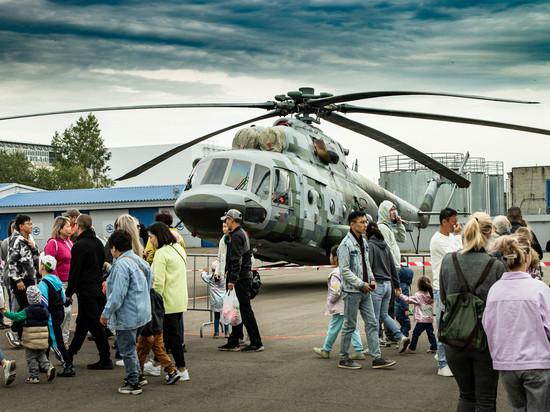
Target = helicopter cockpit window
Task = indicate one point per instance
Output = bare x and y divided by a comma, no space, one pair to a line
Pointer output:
260,182
281,187
216,171
239,175
197,174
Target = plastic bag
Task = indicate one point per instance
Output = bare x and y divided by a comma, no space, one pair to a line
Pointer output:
231,311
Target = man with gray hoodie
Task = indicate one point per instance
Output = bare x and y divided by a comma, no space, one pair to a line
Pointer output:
393,230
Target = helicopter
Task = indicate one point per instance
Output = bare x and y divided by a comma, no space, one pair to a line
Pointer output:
291,181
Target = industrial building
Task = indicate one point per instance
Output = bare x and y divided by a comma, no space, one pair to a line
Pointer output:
530,189
103,205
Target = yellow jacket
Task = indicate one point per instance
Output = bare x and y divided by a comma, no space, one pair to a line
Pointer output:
150,249
170,271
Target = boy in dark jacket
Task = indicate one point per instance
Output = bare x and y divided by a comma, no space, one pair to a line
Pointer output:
34,321
401,308
151,338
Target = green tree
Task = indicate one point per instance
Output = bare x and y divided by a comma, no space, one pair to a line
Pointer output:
63,178
81,145
15,168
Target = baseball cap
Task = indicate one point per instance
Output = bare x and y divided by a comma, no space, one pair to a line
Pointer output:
233,214
71,212
49,261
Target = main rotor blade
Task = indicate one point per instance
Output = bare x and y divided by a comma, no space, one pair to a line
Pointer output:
161,158
348,108
370,95
265,105
399,146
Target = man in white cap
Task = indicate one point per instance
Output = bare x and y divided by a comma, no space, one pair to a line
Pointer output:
239,278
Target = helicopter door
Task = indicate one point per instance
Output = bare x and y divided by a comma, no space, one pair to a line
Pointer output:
282,195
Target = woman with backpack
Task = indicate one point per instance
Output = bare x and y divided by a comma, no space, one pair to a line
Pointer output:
472,367
520,348
59,246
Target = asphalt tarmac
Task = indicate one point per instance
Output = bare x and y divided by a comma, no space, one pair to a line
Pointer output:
288,375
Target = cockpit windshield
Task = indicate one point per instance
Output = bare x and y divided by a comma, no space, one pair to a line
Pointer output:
260,182
215,173
196,174
239,175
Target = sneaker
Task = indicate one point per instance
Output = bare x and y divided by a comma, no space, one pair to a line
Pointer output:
348,364
228,347
13,339
403,343
243,342
391,339
101,365
382,363
252,348
173,377
141,380
366,352
184,376
130,389
9,371
30,379
322,353
357,356
431,351
436,357
119,363
3,325
216,335
445,371
226,335
409,351
68,371
150,369
384,343
50,374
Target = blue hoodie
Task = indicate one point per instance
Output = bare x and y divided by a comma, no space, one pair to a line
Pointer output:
406,275
53,303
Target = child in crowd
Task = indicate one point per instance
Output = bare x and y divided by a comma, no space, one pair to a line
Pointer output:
151,338
34,320
335,307
217,294
8,365
401,308
54,300
423,301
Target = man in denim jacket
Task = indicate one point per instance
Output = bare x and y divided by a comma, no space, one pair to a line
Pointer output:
128,307
357,283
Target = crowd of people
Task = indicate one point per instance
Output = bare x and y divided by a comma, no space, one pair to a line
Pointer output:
136,286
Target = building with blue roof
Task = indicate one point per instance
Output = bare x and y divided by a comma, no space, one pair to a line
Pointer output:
103,205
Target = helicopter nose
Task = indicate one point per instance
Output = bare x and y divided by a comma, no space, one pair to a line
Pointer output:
201,213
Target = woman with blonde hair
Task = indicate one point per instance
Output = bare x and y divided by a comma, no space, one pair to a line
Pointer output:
517,323
130,224
473,370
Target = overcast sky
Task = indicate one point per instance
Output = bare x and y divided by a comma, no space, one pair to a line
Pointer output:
58,55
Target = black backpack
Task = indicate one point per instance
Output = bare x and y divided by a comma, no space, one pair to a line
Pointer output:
255,284
460,324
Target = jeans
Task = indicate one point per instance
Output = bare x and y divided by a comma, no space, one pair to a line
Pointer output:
418,329
2,356
404,320
380,300
127,342
441,358
334,327
66,325
362,302
36,361
477,380
217,316
527,390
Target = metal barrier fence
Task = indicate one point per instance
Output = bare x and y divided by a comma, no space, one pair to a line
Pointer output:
423,262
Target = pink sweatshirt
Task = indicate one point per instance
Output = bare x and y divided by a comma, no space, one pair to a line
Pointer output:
423,306
61,250
335,301
517,323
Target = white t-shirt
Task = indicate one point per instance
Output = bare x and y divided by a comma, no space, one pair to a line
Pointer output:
440,245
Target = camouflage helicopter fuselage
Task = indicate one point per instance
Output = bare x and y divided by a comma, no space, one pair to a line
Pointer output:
295,203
